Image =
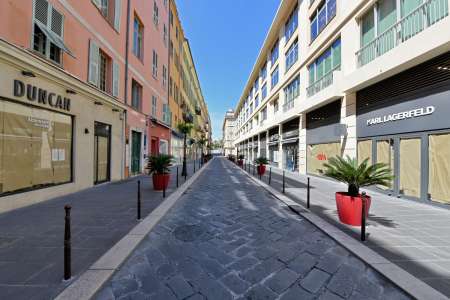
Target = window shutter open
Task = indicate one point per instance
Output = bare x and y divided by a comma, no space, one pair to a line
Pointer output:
117,14
115,81
41,11
97,3
94,57
57,22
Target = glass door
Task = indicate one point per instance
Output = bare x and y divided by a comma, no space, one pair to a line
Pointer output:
410,166
385,154
102,145
135,152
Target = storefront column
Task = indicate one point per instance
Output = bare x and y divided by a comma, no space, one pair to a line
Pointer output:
302,145
348,117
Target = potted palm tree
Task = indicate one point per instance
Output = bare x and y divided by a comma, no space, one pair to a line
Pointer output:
261,162
241,160
185,128
158,167
347,170
201,143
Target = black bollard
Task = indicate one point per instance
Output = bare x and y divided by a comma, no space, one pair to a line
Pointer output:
260,174
177,176
363,216
67,245
253,170
164,191
284,184
185,177
139,200
307,195
270,175
194,165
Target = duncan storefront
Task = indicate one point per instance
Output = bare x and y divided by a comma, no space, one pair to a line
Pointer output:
56,133
404,122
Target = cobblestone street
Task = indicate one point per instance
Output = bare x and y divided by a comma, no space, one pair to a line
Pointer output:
229,239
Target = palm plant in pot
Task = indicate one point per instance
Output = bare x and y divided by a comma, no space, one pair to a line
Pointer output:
347,170
241,160
185,128
159,168
261,162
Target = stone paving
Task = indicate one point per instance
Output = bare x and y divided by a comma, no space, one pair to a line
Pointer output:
227,238
31,238
412,234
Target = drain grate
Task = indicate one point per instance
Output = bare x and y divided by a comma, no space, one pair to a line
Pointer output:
188,233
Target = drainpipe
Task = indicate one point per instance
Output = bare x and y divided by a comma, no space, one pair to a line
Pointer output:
168,79
125,98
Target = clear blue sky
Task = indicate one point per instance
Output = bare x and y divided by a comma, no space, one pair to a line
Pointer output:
225,37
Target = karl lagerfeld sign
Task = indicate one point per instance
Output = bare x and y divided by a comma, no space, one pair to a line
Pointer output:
40,96
422,112
414,113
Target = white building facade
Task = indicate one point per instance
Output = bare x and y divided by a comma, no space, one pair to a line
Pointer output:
228,132
368,79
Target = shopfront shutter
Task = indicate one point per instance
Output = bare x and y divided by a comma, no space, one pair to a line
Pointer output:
94,57
115,81
117,14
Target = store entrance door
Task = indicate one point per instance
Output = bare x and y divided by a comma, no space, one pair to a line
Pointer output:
102,152
135,152
290,157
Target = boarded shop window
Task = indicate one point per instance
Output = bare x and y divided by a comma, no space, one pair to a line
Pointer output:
385,154
439,167
365,151
35,147
410,167
319,154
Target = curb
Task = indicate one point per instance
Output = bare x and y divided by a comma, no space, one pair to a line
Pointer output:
410,284
92,280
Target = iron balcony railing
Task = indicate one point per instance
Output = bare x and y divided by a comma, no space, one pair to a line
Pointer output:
321,83
291,134
427,14
287,106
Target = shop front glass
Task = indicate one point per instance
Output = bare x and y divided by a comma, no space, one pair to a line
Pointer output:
290,152
439,167
102,151
319,154
273,155
410,162
385,154
35,147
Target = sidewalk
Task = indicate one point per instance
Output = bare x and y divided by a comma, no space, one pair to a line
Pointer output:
31,238
413,235
227,238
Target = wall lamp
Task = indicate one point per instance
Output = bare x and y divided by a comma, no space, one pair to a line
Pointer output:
28,74
115,110
71,92
98,103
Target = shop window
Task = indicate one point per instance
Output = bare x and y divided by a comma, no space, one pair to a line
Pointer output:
365,151
319,154
439,168
410,167
35,148
385,154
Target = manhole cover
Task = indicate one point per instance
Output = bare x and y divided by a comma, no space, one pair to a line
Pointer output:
188,233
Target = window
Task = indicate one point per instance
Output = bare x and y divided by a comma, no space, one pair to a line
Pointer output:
323,15
263,72
274,77
155,14
166,114
165,3
256,85
48,31
154,105
136,95
171,18
164,76
275,106
292,55
103,72
171,49
138,37
291,24
291,91
257,101
165,34
111,11
327,62
155,64
274,54
170,86
35,148
264,114
264,92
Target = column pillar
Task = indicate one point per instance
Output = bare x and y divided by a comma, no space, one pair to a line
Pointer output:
302,145
280,147
348,117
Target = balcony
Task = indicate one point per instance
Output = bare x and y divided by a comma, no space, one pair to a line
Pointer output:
322,83
291,134
188,117
427,14
288,106
198,110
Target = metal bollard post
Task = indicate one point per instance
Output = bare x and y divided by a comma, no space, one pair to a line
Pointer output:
284,184
259,174
308,195
67,245
177,176
194,165
185,177
253,169
363,216
270,175
139,200
164,191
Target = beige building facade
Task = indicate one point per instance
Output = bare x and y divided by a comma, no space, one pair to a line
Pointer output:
368,79
228,133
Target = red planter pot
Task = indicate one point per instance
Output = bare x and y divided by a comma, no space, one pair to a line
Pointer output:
261,169
160,181
240,162
349,208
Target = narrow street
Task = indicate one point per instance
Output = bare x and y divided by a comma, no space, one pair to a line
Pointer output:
31,238
227,238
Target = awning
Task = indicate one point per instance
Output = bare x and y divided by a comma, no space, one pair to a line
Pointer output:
290,141
54,38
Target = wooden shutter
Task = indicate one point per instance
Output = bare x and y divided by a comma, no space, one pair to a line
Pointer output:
94,58
97,3
57,22
117,14
115,80
41,11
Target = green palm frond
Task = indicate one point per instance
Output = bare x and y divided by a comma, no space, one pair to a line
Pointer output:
160,164
185,127
261,161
